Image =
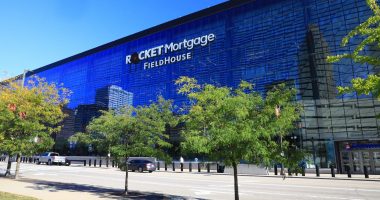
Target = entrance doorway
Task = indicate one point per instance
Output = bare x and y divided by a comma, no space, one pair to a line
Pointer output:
357,159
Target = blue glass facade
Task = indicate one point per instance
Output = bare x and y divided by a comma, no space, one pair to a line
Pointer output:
264,42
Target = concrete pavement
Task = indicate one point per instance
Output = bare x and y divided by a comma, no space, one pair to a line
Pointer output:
74,182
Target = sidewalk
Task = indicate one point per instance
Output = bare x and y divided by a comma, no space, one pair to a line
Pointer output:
354,177
42,191
47,190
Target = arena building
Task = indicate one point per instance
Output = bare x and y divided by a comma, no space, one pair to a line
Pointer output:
265,42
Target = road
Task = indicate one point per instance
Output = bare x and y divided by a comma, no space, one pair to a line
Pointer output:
104,183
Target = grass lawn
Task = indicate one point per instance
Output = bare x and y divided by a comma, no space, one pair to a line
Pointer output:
9,196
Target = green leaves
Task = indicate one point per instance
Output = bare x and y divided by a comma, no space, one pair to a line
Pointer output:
370,31
187,85
30,112
364,86
132,131
232,125
374,7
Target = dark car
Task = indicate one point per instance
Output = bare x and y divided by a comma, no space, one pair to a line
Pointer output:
141,165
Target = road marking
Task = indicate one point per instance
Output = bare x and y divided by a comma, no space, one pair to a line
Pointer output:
267,184
217,190
44,174
251,181
222,186
320,187
298,195
230,191
201,192
38,174
187,179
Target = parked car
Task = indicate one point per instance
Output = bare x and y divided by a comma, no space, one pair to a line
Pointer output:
141,165
51,158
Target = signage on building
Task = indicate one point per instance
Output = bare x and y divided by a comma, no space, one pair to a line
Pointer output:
365,146
166,49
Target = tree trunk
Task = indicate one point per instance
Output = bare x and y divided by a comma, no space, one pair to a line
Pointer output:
9,165
282,172
108,157
126,176
236,187
18,166
282,155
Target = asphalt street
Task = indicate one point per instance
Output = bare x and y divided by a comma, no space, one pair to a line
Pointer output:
107,183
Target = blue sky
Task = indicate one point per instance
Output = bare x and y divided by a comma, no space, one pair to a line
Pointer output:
34,33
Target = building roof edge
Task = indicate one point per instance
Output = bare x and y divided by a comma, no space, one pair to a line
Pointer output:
166,25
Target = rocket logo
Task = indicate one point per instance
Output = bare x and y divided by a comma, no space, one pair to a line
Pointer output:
135,58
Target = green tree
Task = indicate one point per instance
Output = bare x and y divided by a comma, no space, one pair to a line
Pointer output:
61,145
101,132
370,31
132,131
29,115
290,155
234,125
